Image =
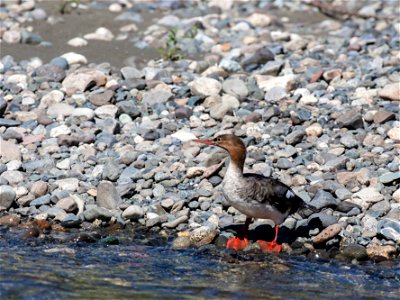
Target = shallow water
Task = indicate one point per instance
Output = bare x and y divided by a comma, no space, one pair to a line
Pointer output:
62,268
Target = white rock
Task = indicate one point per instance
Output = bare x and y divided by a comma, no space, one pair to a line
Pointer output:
314,129
267,82
59,110
259,20
391,91
59,130
133,212
65,164
115,7
394,133
12,37
101,33
106,111
183,135
83,112
74,58
308,100
68,184
396,196
20,80
77,42
52,97
205,87
223,5
14,165
369,194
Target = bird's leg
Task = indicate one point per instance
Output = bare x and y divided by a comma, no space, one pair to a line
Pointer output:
271,246
240,242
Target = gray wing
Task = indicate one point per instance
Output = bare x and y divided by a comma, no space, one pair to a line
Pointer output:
270,191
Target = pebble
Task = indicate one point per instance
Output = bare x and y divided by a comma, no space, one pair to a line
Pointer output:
77,42
391,91
202,236
133,212
101,34
236,88
323,199
39,188
205,87
390,229
355,251
96,212
107,195
328,233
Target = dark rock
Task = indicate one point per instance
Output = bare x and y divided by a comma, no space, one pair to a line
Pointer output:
10,220
96,212
135,83
128,107
261,56
383,116
60,62
9,122
3,107
30,38
253,117
323,199
68,140
284,163
41,201
51,72
350,119
355,251
296,136
71,221
104,98
325,219
273,111
183,112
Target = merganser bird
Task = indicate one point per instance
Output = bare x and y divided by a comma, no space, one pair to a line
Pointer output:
253,195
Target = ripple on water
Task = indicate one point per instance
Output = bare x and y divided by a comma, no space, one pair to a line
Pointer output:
65,270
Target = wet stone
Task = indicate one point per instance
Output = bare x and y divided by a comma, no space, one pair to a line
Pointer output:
355,251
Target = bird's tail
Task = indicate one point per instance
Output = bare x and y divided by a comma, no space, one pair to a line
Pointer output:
305,209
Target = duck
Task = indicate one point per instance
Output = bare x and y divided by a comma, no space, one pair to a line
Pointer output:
254,195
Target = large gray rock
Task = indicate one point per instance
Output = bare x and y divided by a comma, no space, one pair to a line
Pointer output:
390,229
235,87
107,195
96,212
323,199
156,96
7,196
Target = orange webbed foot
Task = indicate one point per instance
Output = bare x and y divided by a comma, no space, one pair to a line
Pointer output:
237,243
269,246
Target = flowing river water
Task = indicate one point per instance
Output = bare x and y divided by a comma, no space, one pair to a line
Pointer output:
66,267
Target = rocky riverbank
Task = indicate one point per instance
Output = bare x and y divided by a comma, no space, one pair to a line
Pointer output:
88,145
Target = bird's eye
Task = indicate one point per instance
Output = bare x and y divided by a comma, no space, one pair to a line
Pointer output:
217,139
